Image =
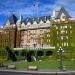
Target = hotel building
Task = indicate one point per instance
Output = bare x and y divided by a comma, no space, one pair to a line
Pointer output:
38,32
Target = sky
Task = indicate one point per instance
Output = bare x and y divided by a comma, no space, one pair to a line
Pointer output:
27,8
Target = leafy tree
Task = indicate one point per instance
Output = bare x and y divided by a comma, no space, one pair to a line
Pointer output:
3,56
11,55
3,40
73,34
50,37
39,39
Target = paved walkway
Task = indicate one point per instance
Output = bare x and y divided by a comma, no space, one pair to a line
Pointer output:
16,62
39,70
35,73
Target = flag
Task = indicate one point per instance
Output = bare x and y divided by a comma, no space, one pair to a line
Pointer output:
36,4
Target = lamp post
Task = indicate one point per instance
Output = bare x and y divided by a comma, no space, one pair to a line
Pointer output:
60,51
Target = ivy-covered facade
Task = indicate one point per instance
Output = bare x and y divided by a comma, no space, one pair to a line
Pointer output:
61,34
39,32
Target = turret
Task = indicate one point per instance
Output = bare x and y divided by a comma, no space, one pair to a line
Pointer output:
19,22
60,13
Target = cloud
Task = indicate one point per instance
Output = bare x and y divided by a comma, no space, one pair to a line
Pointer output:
9,5
68,5
26,7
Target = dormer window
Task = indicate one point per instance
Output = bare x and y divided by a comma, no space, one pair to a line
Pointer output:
28,23
47,21
41,22
35,22
23,25
45,18
62,15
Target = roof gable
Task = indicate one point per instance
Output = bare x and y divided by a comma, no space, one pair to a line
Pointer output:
12,19
61,12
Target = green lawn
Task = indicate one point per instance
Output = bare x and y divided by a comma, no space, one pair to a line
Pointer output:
69,64
41,64
48,64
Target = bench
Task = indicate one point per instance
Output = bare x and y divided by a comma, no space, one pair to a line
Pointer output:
32,68
11,67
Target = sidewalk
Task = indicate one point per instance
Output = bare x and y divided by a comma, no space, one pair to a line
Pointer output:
37,71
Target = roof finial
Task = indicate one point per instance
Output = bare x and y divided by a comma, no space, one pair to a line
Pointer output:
21,17
45,18
36,5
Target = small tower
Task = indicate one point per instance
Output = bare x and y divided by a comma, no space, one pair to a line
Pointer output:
60,13
19,22
34,23
11,21
41,22
21,18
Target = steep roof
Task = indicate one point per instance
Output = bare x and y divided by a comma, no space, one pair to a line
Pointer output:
59,11
37,19
12,19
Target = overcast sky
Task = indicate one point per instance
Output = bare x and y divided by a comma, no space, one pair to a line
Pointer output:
26,8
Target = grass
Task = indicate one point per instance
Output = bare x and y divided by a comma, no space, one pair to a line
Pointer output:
20,57
47,64
41,64
69,64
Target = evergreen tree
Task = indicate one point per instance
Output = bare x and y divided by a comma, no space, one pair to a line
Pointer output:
11,55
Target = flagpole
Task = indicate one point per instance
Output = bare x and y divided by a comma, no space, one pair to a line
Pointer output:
37,9
36,6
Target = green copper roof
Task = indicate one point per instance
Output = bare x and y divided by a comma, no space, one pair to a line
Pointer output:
37,19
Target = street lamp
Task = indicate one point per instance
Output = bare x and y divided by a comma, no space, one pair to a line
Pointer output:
60,51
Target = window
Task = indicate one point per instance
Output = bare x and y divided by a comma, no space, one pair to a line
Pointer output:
71,44
57,32
65,26
64,43
67,43
29,31
61,37
49,40
6,40
66,32
70,27
33,40
61,27
34,31
66,37
62,31
35,36
71,31
41,45
57,44
48,35
34,45
56,27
